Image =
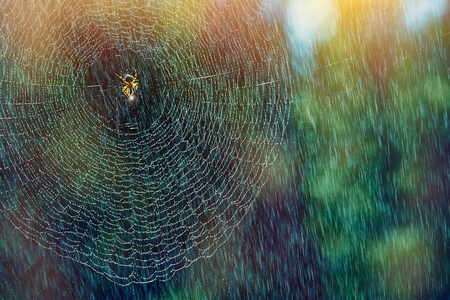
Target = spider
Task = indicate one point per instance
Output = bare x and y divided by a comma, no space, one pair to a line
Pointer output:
131,85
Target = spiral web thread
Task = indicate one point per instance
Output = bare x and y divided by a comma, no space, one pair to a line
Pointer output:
137,190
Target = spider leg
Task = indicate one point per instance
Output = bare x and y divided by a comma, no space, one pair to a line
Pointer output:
122,79
124,90
135,76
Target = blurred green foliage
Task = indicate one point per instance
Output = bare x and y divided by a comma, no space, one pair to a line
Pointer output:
371,126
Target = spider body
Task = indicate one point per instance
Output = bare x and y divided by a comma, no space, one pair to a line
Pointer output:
131,85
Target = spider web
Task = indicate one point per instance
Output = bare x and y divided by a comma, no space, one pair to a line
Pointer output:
137,190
